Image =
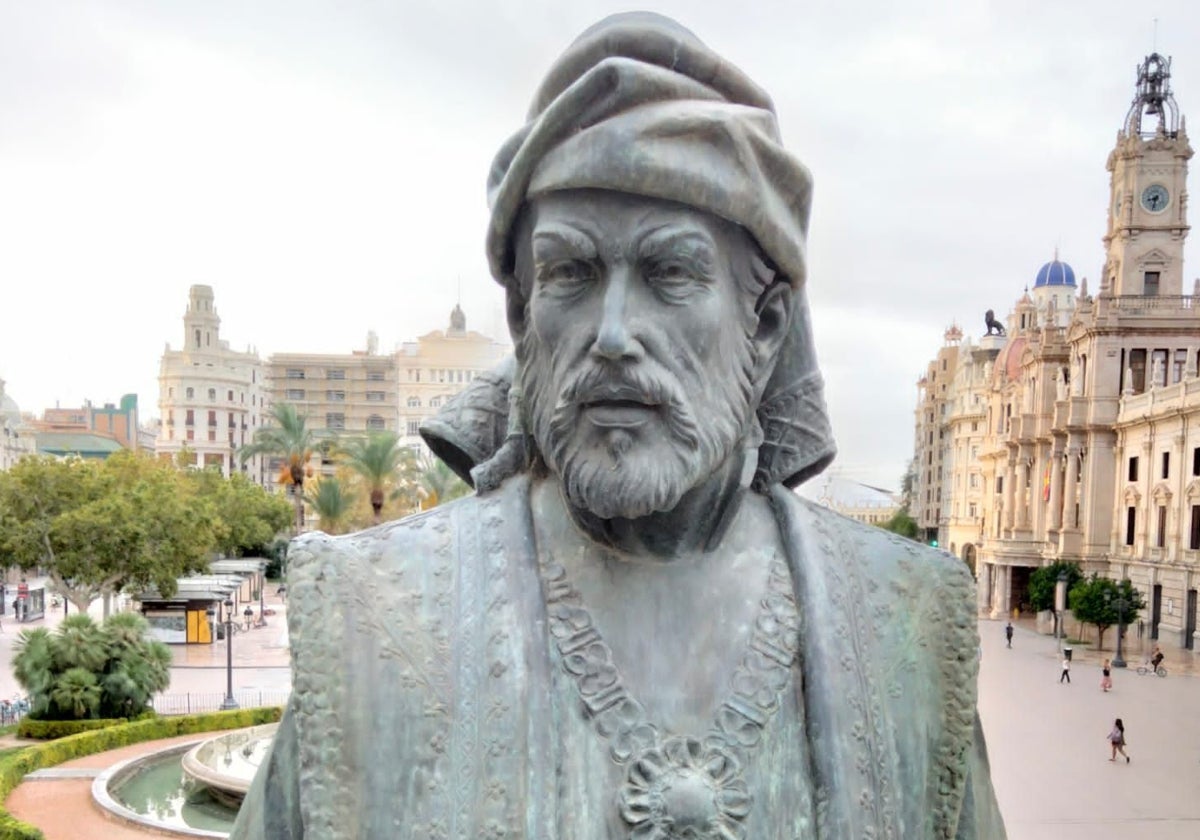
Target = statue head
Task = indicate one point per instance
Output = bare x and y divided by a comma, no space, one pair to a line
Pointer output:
649,230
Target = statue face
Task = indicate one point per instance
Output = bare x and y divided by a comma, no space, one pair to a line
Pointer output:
637,343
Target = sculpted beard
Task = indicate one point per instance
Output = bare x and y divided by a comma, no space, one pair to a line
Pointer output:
630,476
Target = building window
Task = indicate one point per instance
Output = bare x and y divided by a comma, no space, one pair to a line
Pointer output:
232,422
335,420
375,376
170,392
294,394
413,428
190,419
1137,366
190,393
999,484
335,396
212,435
974,425
191,434
212,418
1166,465
415,402
1150,283
335,373
972,510
1133,468
375,396
1160,536
1194,541
212,394
375,422
1196,461
1178,366
973,481
295,373
229,396
1130,523
436,402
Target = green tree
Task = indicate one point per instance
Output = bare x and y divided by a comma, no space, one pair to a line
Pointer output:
1044,580
901,523
333,503
97,527
376,459
86,670
1095,601
289,439
249,518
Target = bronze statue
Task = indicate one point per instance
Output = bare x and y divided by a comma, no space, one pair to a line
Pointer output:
994,327
634,629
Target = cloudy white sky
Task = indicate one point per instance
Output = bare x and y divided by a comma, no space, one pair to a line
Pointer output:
322,164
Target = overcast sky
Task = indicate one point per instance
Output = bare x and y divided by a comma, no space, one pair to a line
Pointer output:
322,166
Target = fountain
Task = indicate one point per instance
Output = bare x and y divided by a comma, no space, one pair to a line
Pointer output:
186,790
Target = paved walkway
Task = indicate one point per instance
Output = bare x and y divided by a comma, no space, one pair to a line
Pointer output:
1049,751
62,807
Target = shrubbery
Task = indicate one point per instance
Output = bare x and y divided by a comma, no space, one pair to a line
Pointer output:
48,730
85,670
14,767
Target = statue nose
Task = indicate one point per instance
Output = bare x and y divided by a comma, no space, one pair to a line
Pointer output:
614,340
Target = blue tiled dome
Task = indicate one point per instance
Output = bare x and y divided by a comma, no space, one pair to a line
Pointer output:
1055,274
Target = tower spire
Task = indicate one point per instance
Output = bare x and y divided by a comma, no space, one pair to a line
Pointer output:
1153,98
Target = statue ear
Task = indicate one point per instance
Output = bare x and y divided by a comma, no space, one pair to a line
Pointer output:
774,311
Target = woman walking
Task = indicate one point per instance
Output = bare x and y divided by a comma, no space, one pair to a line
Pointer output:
1106,680
1117,739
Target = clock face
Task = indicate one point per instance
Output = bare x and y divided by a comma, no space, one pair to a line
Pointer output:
1155,197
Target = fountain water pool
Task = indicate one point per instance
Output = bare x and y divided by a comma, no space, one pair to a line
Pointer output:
189,790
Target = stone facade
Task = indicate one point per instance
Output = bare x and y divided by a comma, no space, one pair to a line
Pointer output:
210,397
1089,451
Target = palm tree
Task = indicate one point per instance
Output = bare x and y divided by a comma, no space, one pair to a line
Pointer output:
332,503
438,483
376,458
288,439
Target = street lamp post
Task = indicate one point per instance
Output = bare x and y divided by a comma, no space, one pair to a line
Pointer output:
229,702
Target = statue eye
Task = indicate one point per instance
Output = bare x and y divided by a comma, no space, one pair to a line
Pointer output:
567,272
673,278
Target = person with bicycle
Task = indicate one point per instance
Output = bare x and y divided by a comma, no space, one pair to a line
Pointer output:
1156,659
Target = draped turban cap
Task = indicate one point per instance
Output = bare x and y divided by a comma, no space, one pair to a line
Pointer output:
639,105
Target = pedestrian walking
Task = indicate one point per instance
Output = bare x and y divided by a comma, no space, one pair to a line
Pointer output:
1106,680
1008,631
1117,739
1066,672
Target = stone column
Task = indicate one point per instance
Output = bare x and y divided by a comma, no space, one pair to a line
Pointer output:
1010,480
1056,488
1069,497
1022,491
999,591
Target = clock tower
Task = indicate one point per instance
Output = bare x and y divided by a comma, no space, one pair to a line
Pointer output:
1147,215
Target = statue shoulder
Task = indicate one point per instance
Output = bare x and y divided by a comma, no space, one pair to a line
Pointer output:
879,552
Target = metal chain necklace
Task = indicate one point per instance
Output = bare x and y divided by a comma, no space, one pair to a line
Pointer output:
679,787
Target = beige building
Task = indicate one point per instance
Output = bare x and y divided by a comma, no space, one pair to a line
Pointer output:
338,393
437,366
1091,453
210,397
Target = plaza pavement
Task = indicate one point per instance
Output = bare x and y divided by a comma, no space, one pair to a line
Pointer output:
1049,750
260,656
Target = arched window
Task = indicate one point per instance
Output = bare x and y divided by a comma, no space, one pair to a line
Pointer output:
414,402
197,339
191,393
212,394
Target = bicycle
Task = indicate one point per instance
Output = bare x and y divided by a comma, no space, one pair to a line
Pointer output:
1146,668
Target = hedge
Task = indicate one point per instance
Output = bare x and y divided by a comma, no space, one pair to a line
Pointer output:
48,730
14,768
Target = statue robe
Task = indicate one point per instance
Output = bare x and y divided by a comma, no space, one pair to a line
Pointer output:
429,700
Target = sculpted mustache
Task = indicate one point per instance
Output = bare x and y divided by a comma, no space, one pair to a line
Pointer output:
596,383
